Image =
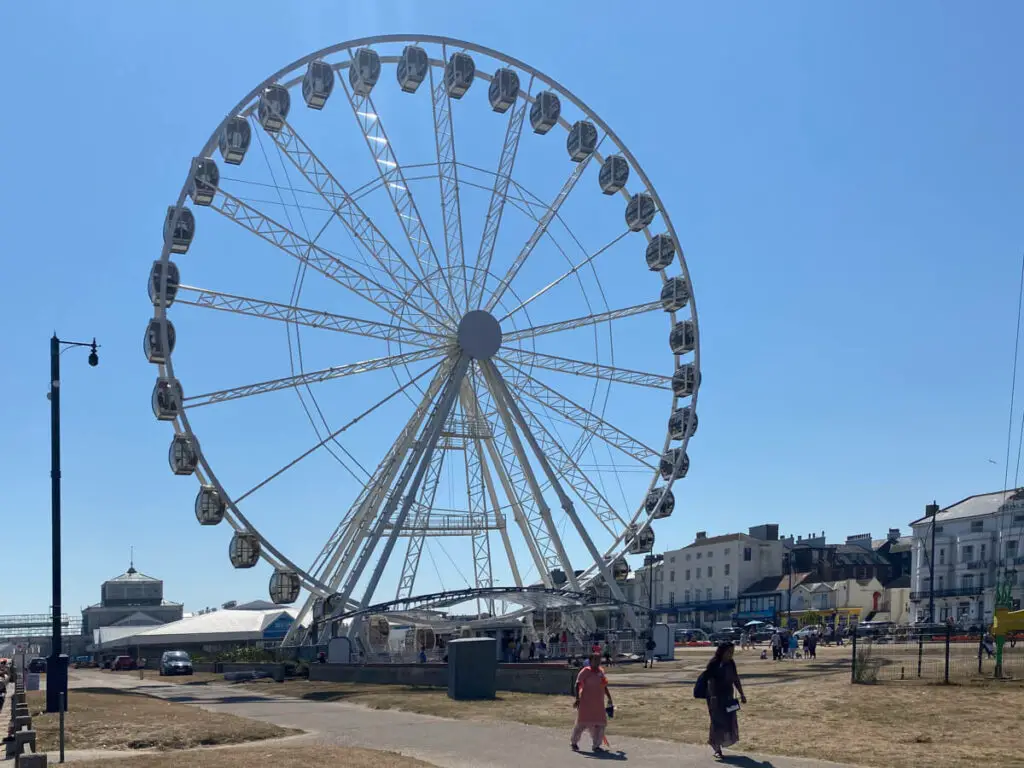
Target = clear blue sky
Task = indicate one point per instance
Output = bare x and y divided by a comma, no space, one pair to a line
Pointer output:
844,177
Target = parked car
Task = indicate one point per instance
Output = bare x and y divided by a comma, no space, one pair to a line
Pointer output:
123,662
175,663
38,664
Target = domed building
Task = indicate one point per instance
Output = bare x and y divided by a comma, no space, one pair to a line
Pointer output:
132,599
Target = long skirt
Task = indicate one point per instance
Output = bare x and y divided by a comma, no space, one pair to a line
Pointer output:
725,726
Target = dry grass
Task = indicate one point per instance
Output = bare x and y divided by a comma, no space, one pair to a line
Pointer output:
195,678
105,718
277,756
802,708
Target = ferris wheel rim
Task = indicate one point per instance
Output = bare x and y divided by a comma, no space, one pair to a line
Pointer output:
205,473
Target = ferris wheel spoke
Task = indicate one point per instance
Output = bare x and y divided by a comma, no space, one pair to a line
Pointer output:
580,322
428,493
393,179
311,377
494,383
314,318
572,271
581,368
311,254
352,216
499,193
448,176
538,232
492,494
586,420
515,486
503,396
574,476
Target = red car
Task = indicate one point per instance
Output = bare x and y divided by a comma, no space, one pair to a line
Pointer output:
123,662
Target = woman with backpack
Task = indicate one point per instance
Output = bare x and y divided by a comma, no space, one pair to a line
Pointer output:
716,684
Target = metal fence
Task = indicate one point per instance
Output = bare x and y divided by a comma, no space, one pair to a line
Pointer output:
950,657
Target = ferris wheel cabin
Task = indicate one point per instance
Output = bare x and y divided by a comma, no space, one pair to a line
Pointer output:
152,344
620,569
412,68
156,273
205,178
670,462
284,586
667,506
273,108
458,74
167,398
675,294
643,541
503,90
210,507
364,72
683,337
234,139
244,550
183,455
682,422
317,84
661,251
544,112
581,141
685,380
181,230
640,212
614,174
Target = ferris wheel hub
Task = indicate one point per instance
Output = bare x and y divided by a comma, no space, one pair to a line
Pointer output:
479,334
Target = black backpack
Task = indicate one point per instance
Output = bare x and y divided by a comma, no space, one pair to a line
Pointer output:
700,688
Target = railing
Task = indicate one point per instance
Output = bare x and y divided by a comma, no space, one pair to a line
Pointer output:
958,592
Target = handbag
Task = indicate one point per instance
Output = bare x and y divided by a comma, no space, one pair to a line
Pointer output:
732,706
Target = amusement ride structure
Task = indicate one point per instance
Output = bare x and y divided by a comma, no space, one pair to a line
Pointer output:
535,316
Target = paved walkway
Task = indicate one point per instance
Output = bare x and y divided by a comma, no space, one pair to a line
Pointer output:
445,743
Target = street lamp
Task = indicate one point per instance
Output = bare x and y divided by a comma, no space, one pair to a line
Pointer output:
649,563
57,663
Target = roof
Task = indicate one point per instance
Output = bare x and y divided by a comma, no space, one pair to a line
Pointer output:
716,540
900,582
133,576
137,619
853,554
215,627
163,604
774,584
979,505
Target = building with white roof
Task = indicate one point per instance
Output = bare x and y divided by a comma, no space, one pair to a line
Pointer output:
132,600
976,541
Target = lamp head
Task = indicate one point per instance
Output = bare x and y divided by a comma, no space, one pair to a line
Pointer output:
94,358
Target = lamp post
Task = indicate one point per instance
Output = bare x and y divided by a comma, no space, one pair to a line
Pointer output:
649,562
57,663
932,511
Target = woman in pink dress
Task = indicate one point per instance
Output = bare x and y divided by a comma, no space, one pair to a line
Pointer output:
591,692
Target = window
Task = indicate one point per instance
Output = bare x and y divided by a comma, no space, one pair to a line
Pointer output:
710,555
687,556
1018,517
746,554
687,574
981,552
710,569
686,596
709,593
671,598
700,555
977,525
981,581
939,587
672,559
671,575
942,557
726,551
938,529
698,573
726,593
1011,548
967,553
726,569
967,581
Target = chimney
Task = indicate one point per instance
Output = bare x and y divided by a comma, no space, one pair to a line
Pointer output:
894,534
701,535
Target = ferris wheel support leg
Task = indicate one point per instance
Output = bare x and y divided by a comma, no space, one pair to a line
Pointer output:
502,394
472,404
419,462
411,564
496,385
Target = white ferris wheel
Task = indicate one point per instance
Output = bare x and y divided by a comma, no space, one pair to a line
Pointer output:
488,318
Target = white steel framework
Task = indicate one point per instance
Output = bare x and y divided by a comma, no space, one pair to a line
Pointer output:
518,367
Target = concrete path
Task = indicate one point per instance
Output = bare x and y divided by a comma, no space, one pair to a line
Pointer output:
445,743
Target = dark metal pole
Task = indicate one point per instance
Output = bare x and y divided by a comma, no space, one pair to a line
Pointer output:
933,510
54,688
789,595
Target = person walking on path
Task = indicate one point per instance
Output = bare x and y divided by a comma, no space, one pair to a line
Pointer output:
533,649
591,715
722,677
649,655
793,645
776,646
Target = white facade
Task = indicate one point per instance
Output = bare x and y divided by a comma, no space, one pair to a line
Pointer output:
976,541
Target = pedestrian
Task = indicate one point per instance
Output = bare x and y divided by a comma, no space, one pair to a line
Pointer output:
793,645
423,654
591,714
607,654
533,649
776,646
813,645
721,677
989,644
649,655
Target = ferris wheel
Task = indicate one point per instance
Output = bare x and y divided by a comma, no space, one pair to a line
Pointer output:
489,323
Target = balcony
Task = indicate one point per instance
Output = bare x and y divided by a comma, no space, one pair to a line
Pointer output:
699,605
958,592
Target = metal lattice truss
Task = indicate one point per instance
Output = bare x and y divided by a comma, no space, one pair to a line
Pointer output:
503,451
